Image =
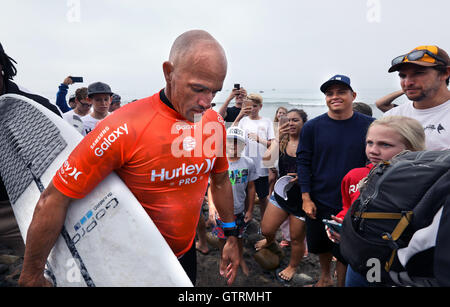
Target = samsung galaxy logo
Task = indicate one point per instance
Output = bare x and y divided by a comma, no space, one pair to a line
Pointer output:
110,139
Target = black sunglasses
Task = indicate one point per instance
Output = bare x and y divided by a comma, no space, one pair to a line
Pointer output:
416,55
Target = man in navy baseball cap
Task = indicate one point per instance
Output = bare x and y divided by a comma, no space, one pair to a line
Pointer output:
331,145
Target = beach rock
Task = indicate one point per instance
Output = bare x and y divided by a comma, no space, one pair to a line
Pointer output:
267,259
301,279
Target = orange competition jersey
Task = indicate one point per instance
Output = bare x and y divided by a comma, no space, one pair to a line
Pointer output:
164,160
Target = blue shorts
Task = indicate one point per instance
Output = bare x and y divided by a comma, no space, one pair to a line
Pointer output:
240,224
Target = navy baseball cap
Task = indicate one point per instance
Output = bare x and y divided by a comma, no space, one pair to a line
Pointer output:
337,79
115,98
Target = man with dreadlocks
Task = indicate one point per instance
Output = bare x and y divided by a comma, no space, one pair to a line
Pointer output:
9,230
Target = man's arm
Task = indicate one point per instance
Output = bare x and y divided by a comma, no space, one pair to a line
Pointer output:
222,195
223,109
61,95
245,111
48,220
304,171
385,103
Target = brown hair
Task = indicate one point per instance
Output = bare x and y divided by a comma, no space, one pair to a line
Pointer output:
81,93
285,140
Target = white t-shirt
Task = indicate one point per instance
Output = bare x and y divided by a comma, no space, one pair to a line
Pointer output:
264,129
74,119
89,123
435,122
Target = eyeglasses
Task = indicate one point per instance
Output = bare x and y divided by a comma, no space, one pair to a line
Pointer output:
417,55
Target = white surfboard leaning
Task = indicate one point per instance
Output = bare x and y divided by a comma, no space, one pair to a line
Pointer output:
108,239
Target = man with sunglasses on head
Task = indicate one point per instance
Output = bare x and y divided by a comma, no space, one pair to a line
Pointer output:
424,78
82,108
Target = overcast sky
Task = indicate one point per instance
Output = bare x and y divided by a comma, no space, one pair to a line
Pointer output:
283,44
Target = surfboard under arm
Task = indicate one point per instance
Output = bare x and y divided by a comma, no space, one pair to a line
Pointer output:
26,149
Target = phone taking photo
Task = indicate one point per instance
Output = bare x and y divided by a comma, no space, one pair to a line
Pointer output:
237,86
77,79
335,226
283,120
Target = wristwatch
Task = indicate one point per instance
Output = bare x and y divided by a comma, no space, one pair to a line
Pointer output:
231,232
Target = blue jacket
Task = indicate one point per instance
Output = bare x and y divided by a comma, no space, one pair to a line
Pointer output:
61,98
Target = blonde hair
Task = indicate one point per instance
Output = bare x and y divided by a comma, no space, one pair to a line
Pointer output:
255,98
410,130
275,119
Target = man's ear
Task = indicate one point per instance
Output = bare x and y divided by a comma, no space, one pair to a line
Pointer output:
447,74
168,70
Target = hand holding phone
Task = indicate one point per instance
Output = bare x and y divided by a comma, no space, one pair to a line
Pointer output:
333,225
283,130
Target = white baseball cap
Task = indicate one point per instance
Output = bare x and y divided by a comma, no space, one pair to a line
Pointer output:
236,133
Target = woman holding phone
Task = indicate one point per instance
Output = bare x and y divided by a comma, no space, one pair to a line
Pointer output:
284,147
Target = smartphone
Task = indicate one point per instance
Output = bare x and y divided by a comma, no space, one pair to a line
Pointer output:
283,120
237,86
77,79
335,226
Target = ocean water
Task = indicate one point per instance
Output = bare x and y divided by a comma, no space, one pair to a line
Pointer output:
311,101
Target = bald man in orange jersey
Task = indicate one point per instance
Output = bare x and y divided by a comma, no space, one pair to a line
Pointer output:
164,148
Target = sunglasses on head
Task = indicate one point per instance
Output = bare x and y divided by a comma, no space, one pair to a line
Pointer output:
415,56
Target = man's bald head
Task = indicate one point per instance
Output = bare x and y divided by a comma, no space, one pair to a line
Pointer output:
195,72
192,42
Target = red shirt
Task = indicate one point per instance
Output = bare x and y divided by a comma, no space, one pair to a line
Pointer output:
349,187
164,160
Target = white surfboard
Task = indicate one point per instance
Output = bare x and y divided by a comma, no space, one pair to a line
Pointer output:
108,239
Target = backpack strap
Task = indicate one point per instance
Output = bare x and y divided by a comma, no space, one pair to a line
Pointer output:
401,226
395,235
378,215
404,218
